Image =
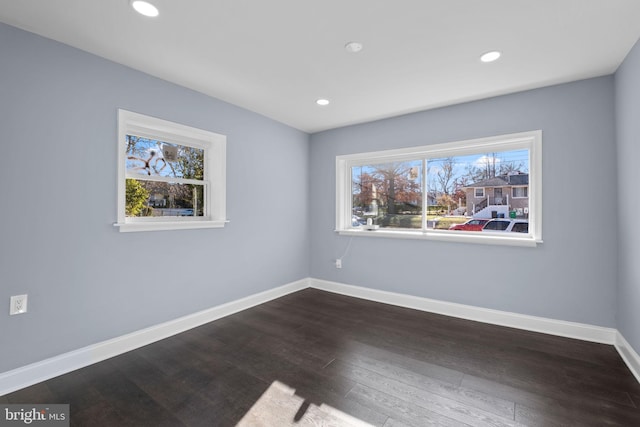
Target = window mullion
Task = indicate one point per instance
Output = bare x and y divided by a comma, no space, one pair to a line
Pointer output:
425,195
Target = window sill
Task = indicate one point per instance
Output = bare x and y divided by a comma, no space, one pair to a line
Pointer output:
168,225
447,236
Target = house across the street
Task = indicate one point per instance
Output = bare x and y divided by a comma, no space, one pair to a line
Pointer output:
499,196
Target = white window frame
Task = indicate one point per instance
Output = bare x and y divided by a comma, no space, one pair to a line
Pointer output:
214,179
475,194
513,196
531,141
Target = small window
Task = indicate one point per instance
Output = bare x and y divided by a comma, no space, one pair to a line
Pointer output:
496,225
520,227
170,176
479,192
520,192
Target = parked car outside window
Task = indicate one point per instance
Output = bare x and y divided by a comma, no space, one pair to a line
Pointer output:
474,224
520,227
507,225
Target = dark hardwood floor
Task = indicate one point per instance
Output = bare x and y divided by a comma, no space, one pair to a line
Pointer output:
384,365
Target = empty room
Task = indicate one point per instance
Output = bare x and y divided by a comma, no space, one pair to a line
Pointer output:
319,213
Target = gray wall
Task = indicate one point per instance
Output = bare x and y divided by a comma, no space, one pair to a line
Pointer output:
571,276
86,281
627,81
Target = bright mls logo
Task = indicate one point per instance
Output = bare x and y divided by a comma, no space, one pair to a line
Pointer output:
36,415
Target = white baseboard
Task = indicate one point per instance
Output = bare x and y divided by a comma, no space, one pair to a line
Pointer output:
46,369
40,371
544,325
503,318
629,355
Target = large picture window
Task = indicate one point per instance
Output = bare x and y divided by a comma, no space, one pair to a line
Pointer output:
170,176
453,191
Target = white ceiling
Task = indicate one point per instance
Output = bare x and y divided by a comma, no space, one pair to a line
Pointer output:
276,57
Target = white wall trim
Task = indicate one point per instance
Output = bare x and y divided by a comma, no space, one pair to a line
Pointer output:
628,354
503,318
46,369
544,325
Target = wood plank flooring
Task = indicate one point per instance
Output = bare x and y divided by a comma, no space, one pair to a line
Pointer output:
316,358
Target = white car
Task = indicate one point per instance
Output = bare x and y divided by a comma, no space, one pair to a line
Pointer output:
507,225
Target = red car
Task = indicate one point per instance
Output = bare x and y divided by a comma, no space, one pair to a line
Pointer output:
474,224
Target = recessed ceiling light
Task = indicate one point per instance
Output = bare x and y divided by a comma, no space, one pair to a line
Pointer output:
145,8
490,56
322,102
353,47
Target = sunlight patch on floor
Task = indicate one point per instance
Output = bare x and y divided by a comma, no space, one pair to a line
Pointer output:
279,406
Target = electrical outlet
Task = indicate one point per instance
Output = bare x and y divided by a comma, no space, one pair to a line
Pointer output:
18,304
338,263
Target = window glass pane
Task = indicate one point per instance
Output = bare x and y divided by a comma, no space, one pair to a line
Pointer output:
157,158
153,199
387,194
520,192
478,186
496,225
520,227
